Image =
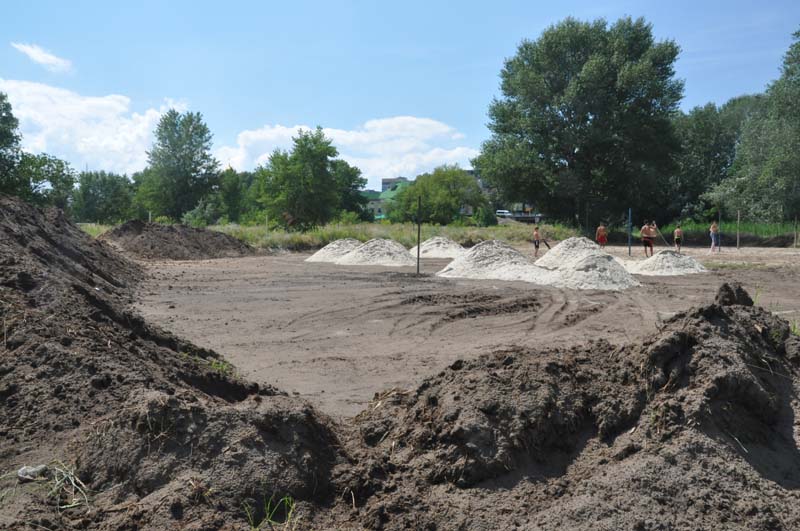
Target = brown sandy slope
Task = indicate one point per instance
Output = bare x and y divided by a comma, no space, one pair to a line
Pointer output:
174,242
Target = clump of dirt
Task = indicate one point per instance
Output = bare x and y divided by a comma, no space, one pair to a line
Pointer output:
156,241
378,251
334,250
438,247
694,429
136,428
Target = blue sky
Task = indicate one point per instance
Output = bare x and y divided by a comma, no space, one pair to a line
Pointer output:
401,87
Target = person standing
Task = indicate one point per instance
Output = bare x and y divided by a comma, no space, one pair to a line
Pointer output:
648,235
714,233
601,235
536,239
677,235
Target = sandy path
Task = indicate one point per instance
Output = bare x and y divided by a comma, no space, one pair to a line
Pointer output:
338,334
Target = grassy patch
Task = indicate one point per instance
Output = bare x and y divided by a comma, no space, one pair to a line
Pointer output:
94,229
761,230
276,515
404,233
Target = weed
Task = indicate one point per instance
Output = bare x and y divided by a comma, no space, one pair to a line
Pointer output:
221,366
67,491
198,491
94,229
794,327
277,515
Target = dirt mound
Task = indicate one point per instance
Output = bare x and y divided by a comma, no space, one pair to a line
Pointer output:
334,250
438,247
666,263
692,430
493,259
135,427
567,252
156,241
378,251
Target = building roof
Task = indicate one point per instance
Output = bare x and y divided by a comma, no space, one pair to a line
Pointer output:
394,190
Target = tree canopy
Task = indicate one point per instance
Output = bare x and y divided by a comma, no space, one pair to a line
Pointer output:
585,116
446,193
102,197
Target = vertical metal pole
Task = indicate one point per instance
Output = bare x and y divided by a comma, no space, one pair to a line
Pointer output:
630,229
719,228
419,228
738,220
149,216
795,231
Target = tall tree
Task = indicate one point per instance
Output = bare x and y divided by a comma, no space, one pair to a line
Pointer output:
9,148
299,188
348,183
765,179
445,193
182,168
232,190
45,180
102,197
585,117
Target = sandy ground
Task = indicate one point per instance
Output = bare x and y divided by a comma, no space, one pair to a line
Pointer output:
338,334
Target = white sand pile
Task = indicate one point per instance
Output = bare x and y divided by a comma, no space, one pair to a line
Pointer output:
593,270
666,263
579,263
438,247
378,251
497,261
566,251
334,250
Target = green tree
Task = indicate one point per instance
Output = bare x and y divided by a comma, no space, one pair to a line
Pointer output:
232,191
182,169
765,178
299,188
446,193
9,147
708,136
45,180
102,197
349,182
585,116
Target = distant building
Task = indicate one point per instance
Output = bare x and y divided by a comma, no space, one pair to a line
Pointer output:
388,184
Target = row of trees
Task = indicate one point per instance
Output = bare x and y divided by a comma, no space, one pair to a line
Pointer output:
300,188
589,120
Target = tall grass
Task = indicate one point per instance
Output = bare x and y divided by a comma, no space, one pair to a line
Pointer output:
404,233
758,229
94,229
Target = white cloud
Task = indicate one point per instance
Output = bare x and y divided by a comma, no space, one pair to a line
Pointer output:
386,147
39,55
99,131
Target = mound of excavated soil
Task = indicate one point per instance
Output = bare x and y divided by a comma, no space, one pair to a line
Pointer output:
694,429
334,250
438,247
567,252
156,241
666,263
493,259
136,428
378,251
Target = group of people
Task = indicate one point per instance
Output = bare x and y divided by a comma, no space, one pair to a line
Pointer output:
647,233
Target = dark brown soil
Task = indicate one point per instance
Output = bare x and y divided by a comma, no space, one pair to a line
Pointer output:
157,432
696,428
156,241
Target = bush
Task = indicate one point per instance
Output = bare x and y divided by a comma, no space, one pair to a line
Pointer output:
484,217
204,214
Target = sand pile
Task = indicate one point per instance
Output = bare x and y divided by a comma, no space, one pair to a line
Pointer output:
155,241
495,260
691,430
666,263
438,247
379,252
579,263
334,250
156,432
566,252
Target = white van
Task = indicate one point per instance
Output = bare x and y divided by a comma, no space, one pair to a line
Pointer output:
502,213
